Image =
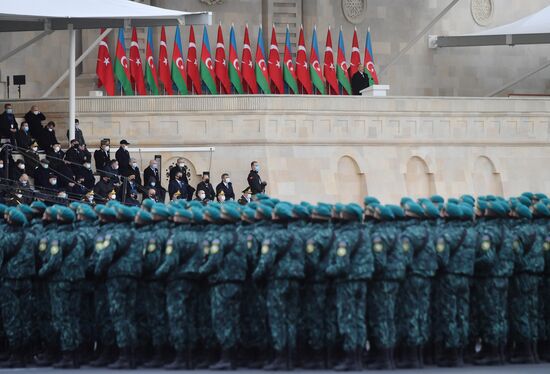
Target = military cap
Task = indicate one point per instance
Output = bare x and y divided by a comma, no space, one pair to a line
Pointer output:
541,210
437,199
523,212
482,204
26,210
124,213
268,202
38,206
497,208
231,213
430,209
540,196
197,215
467,211
301,211
247,190
184,213
99,208
405,200
283,211
51,211
528,195
261,196
113,203
322,211
307,205
468,199
90,193
545,201
74,205
144,216
276,201
195,204
66,214
490,198
248,214
107,212
87,212
264,210
160,210
397,211
385,212
353,210
338,208
253,205
524,200
147,203
17,217
453,210
453,200
214,213
368,200
413,208
34,144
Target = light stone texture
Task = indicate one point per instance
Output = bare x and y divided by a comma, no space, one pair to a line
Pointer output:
334,148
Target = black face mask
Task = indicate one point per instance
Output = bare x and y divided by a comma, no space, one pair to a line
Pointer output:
206,180
75,146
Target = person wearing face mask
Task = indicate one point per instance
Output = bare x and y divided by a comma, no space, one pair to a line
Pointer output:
23,182
89,198
179,167
78,190
152,172
42,174
201,196
75,156
23,137
8,124
221,197
32,158
78,135
102,188
123,156
246,197
177,186
18,170
34,118
102,156
16,198
86,173
113,169
151,194
56,156
254,181
206,186
227,187
133,169
47,137
53,186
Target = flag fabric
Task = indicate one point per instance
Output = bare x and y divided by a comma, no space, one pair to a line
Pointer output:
315,66
247,68
150,69
275,71
164,68
136,71
222,74
179,76
262,77
288,69
104,67
234,65
369,61
302,73
193,77
122,69
329,69
355,59
342,67
207,66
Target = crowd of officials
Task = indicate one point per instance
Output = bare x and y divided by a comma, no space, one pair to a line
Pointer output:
276,285
68,175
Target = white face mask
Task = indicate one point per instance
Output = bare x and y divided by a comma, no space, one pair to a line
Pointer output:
181,164
18,195
153,184
24,183
106,148
112,197
221,198
36,112
53,182
50,129
90,198
227,180
45,166
9,111
249,196
21,166
35,149
134,165
1,166
115,167
87,166
124,147
56,149
62,195
155,166
25,128
202,196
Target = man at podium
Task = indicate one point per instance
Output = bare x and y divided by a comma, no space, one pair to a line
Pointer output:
359,80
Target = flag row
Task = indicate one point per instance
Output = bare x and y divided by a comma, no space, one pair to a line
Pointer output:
223,73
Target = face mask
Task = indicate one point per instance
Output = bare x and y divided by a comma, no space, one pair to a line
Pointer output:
257,168
178,177
18,195
24,183
34,149
112,197
53,182
87,166
124,147
155,166
153,184
56,149
90,199
221,198
36,112
227,180
62,195
50,129
202,196
249,196
181,165
1,166
206,180
134,165
9,111
76,124
21,166
115,167
106,148
45,166
25,129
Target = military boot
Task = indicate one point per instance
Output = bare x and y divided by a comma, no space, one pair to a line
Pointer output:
279,363
523,353
179,363
410,359
315,361
382,360
67,361
156,361
14,360
491,356
106,357
123,361
225,362
349,363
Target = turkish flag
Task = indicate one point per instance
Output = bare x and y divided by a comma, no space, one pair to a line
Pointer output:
222,75
329,70
355,60
136,70
193,65
104,67
247,67
274,62
302,70
164,66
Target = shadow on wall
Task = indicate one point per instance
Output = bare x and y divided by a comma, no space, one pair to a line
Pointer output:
351,183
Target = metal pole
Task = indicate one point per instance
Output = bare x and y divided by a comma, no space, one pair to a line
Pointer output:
72,80
424,31
78,62
516,81
25,45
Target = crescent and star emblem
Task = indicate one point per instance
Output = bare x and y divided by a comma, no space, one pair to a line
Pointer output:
370,66
235,64
209,64
289,65
125,65
316,66
150,61
263,67
179,61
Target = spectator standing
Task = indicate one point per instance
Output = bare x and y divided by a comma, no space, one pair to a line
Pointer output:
151,173
254,180
177,186
206,187
179,167
34,118
102,156
227,187
8,124
123,156
47,137
23,137
78,135
75,156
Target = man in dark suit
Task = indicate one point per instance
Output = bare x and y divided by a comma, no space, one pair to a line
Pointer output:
88,175
178,185
152,173
56,156
227,187
78,135
41,174
75,156
179,167
103,188
123,156
359,81
102,156
8,124
206,186
47,137
23,137
34,118
133,169
254,181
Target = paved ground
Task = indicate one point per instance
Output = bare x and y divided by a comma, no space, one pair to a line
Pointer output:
508,369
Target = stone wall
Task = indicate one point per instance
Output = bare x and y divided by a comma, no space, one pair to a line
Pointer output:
334,148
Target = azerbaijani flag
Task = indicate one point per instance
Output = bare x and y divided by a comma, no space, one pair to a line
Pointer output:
179,76
207,66
342,67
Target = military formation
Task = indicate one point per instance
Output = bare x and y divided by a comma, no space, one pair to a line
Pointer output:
276,285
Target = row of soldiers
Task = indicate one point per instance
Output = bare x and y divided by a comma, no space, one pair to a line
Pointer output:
277,285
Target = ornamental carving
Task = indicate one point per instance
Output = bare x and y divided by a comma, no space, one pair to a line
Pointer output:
354,10
482,11
212,2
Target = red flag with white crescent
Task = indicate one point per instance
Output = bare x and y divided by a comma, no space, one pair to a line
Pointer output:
222,75
355,59
104,67
193,75
275,68
136,70
329,69
247,67
302,68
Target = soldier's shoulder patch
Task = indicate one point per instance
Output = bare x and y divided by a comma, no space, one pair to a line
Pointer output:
265,247
152,246
249,240
378,246
485,242
310,246
547,244
405,244
440,245
215,247
43,245
55,247
169,247
205,247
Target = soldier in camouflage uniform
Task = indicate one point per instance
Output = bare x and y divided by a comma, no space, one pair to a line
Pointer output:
282,264
350,266
17,269
541,215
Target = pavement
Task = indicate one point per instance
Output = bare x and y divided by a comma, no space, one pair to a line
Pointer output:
507,369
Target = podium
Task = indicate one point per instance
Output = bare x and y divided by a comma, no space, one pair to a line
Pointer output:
378,90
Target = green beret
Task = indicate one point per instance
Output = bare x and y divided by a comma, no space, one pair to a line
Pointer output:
160,210
184,213
231,212
528,195
249,213
467,211
482,204
3,209
214,213
195,204
307,205
283,211
405,200
17,217
198,216
370,200
276,201
385,213
524,200
147,203
541,210
74,205
66,214
322,211
301,211
430,210
437,199
87,212
113,203
99,208
268,202
264,210
497,208
453,201
144,216
26,210
354,210
523,211
214,204
107,212
397,211
545,201
453,210
338,208
124,213
468,199
540,196
262,196
38,206
490,198
414,208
